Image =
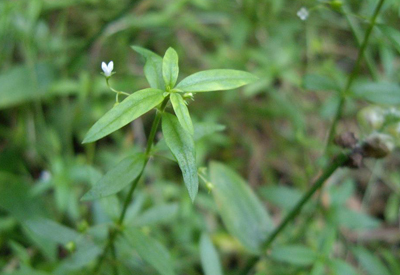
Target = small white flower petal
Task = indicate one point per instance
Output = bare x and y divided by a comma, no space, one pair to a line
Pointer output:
111,66
303,13
107,69
104,67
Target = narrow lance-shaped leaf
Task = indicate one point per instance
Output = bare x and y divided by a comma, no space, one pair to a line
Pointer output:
377,92
128,110
342,267
21,84
209,257
52,230
242,212
170,69
215,80
391,33
117,178
316,82
150,250
370,262
181,144
294,254
182,112
152,68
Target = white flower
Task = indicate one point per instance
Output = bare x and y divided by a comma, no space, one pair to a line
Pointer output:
45,176
303,13
107,69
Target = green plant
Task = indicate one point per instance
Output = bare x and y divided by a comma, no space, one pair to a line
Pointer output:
281,198
162,75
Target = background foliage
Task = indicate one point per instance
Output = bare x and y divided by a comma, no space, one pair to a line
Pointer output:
272,133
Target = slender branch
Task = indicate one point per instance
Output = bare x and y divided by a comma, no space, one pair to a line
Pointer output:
114,256
353,74
357,35
338,162
113,232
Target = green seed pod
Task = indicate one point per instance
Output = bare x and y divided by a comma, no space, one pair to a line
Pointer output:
70,246
209,186
336,5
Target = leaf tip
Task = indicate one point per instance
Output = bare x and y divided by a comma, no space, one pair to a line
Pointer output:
86,197
87,139
193,195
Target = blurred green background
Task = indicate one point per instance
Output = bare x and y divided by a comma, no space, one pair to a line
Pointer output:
51,93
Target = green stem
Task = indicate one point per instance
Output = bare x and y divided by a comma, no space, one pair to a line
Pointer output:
114,232
114,255
338,162
354,73
357,34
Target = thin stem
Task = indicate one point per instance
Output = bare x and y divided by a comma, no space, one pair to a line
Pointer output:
114,255
338,162
356,32
353,74
117,93
114,231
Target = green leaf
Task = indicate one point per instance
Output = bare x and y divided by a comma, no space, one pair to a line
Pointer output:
209,257
391,33
153,68
282,196
215,80
150,250
391,259
182,147
128,110
294,254
341,267
318,268
354,220
85,253
163,213
86,250
27,270
170,68
339,194
203,129
117,178
242,212
381,93
23,84
182,112
16,198
316,82
369,262
52,231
